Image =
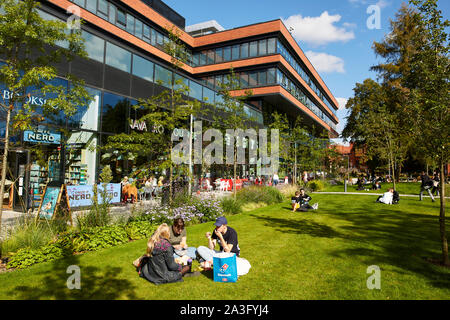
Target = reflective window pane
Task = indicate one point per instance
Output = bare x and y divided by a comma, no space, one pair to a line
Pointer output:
271,46
130,23
112,13
235,52
86,117
262,47
91,5
163,76
253,49
118,57
219,55
244,80
244,50
95,46
227,53
195,90
253,79
142,68
103,6
208,95
262,78
138,29
114,113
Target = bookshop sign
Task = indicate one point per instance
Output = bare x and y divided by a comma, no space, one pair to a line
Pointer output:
41,137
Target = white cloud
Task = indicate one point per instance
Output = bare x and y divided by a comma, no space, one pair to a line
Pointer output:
324,62
342,102
318,30
382,3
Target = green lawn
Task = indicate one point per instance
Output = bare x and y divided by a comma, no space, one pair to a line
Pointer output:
322,254
402,188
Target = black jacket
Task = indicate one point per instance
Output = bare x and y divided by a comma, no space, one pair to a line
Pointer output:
161,266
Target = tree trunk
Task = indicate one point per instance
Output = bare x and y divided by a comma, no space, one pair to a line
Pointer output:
445,259
5,161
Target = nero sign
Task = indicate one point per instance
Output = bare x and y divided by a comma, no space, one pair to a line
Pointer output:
81,196
41,137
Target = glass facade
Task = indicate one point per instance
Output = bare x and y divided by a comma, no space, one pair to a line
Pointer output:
228,53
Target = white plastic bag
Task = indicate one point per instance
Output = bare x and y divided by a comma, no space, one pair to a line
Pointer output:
243,266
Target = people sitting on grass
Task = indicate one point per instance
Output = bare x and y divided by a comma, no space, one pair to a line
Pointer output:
387,197
223,235
302,202
178,240
158,264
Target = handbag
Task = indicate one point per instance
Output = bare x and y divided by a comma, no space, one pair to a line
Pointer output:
225,267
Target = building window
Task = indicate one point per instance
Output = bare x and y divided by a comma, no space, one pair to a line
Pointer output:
121,18
262,47
244,51
219,80
227,53
91,5
253,78
235,52
195,90
262,78
180,83
210,57
138,30
86,117
219,55
95,46
81,3
271,46
253,49
203,58
112,13
118,57
115,112
271,75
244,80
142,68
146,33
163,76
208,95
130,23
102,9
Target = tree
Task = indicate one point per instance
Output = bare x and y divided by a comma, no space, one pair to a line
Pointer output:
375,121
169,110
430,96
30,46
280,122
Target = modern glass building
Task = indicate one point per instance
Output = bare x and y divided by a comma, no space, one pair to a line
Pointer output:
126,61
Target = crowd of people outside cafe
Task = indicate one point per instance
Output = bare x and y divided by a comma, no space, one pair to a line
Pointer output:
147,188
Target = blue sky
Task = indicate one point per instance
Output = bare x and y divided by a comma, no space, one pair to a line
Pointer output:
336,35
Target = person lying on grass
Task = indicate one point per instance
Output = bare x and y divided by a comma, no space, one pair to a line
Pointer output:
302,202
223,235
158,265
389,197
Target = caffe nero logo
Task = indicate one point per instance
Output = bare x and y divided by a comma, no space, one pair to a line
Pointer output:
33,100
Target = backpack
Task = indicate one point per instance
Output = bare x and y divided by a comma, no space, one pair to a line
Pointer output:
395,197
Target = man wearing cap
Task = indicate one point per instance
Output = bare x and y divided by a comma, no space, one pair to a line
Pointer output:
225,236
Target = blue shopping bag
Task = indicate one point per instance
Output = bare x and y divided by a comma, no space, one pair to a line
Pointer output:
224,267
